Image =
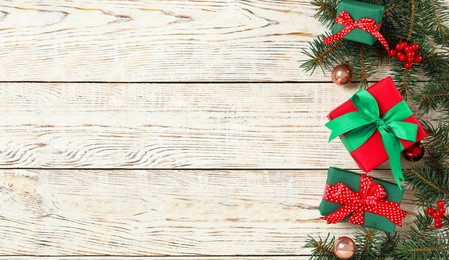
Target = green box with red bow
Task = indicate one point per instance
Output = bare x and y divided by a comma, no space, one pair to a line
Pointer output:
376,125
361,200
363,17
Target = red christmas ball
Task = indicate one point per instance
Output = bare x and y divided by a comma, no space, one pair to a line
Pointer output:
392,52
438,225
418,59
410,60
414,152
437,220
415,46
442,211
408,65
440,204
430,211
399,46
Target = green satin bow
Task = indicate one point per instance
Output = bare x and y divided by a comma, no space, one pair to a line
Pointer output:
361,125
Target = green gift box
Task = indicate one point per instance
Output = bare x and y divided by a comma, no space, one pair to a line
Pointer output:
352,181
358,10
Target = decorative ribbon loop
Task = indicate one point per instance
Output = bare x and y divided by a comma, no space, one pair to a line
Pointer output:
360,126
369,199
367,24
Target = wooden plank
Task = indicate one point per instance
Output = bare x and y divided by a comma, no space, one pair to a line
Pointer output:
169,126
163,213
157,41
162,257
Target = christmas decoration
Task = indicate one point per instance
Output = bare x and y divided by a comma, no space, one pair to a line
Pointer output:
344,247
437,215
341,75
361,200
406,53
358,21
421,29
374,121
414,152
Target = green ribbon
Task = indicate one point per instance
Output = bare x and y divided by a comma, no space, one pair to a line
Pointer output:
361,125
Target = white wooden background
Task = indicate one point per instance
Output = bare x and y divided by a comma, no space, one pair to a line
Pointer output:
163,129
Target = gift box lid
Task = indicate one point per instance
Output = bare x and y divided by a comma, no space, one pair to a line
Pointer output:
358,10
352,180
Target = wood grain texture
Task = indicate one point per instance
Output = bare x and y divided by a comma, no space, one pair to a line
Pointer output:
169,126
129,41
157,213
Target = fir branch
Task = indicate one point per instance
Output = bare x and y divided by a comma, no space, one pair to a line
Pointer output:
321,249
430,249
428,182
364,80
392,7
440,25
403,86
412,20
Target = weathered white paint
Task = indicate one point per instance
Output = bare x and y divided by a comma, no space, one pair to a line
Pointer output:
164,212
169,125
158,41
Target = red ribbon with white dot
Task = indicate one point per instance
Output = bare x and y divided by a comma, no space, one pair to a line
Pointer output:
369,199
366,24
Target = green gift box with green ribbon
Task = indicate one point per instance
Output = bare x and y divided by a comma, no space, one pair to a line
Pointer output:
376,125
361,199
358,10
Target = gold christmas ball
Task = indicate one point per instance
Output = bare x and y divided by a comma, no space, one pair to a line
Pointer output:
344,248
341,75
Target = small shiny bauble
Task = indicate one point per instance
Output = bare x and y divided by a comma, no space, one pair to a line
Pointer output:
341,75
344,248
414,153
440,204
408,65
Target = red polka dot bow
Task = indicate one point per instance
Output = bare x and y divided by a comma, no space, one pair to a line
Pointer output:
369,199
366,24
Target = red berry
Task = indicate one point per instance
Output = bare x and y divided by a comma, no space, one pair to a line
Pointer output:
410,55
408,49
401,57
440,204
408,65
442,211
403,44
392,52
418,59
415,47
436,214
399,46
410,60
430,211
438,225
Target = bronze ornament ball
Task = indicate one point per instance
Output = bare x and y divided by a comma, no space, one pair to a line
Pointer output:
341,75
344,247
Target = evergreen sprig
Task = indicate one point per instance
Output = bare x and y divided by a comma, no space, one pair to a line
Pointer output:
427,84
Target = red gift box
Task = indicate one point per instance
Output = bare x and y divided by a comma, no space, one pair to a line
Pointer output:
372,153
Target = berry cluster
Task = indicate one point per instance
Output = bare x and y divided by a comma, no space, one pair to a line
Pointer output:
406,53
437,215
